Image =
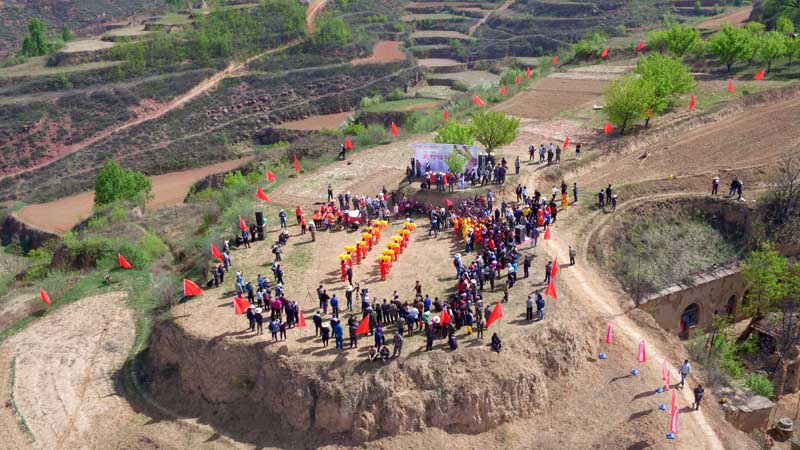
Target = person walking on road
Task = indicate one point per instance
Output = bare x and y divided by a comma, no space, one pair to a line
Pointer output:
685,370
698,396
572,254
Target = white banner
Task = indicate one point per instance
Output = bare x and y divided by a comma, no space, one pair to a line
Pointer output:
436,155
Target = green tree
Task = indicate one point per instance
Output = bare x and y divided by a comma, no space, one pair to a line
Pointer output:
66,33
628,100
773,46
681,39
729,44
456,162
784,25
455,132
332,31
35,43
668,76
765,271
494,129
115,183
657,40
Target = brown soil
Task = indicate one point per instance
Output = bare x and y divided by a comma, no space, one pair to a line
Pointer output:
64,387
59,216
757,136
383,52
736,16
552,95
438,62
315,123
476,25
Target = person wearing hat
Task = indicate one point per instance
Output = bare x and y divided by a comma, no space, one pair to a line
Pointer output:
259,320
282,217
348,295
251,318
430,334
325,333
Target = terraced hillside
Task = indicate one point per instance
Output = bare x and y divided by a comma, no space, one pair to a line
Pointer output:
82,16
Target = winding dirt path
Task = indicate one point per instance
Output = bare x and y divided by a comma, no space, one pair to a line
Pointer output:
478,24
314,7
737,16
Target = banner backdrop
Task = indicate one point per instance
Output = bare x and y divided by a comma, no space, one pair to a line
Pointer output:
437,154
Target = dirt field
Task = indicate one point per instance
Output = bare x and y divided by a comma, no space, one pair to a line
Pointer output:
736,16
59,216
64,368
758,136
86,45
552,95
327,121
383,52
438,62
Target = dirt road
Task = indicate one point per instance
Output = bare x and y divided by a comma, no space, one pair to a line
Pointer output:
506,4
736,16
59,216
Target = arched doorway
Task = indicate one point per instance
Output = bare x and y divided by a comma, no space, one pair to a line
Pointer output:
690,317
730,308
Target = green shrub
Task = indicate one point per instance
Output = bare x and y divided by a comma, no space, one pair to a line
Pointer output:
331,32
398,27
455,132
729,361
40,259
118,214
114,183
91,248
153,245
373,134
354,129
136,255
760,384
749,347
460,86
591,46
97,222
396,94
366,102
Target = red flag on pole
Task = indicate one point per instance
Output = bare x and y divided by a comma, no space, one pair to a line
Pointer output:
190,288
446,115
261,195
363,327
759,75
448,203
503,90
395,131
123,263
640,47
610,332
547,234
242,224
604,54
667,380
641,355
673,421
519,79
692,103
216,253
45,297
672,406
479,101
529,72
240,306
731,87
348,143
607,129
497,314
555,60
296,165
566,142
445,317
664,369
301,319
554,269
270,176
550,291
